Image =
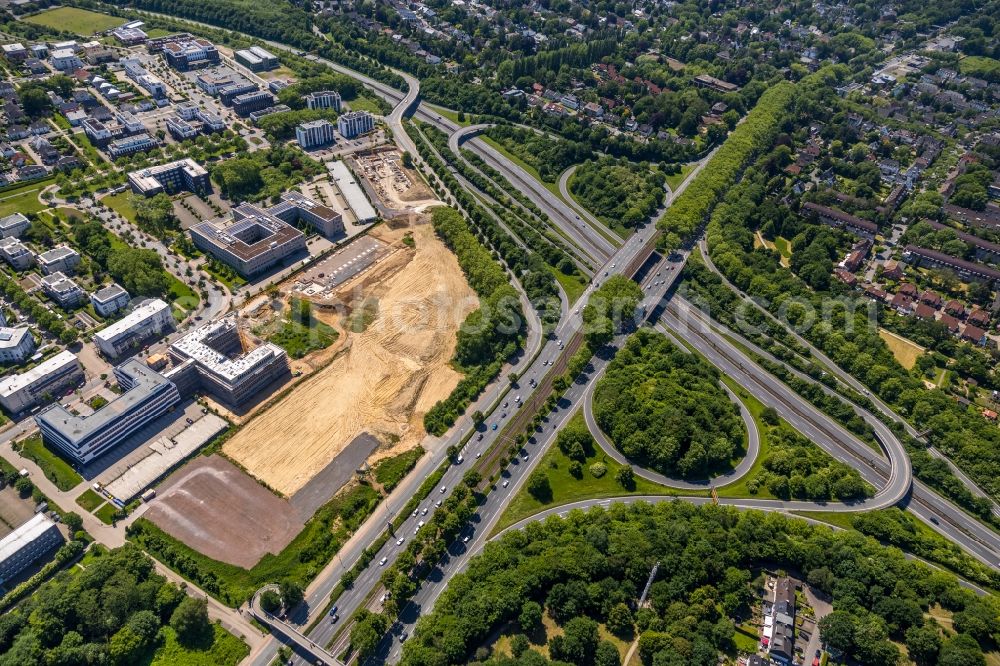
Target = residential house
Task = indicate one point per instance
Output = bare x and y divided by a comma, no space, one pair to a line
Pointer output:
974,334
955,308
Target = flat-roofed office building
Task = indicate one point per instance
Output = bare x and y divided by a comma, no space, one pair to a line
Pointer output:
22,547
110,299
45,381
16,344
16,254
314,133
184,174
147,396
355,123
254,242
225,367
14,224
150,319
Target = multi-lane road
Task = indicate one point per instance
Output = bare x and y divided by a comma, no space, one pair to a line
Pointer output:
888,470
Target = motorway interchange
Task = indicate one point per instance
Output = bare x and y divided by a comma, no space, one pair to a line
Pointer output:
889,470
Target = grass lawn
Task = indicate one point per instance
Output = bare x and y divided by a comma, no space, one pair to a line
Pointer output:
182,295
106,513
745,642
223,650
299,339
23,199
451,115
121,203
80,21
784,247
566,488
905,351
573,285
391,471
674,181
89,500
153,33
301,559
979,66
56,470
365,104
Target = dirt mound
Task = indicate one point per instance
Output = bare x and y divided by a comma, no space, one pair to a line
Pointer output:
390,374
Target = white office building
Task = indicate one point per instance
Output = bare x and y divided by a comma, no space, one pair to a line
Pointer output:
147,396
66,60
22,547
45,381
355,124
151,318
16,344
324,99
224,367
314,133
60,259
353,194
63,290
109,300
13,225
16,254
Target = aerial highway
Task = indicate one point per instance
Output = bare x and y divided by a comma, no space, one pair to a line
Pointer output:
848,380
591,219
714,342
590,240
890,473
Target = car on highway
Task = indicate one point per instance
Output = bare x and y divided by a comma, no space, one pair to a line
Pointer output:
382,562
334,618
443,489
494,426
417,528
403,636
465,539
333,611
423,511
438,504
480,437
506,482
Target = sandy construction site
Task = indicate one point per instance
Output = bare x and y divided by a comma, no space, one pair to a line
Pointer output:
386,378
398,188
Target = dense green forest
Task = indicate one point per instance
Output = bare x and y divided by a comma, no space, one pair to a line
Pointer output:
618,192
264,174
665,409
794,467
590,568
117,611
610,310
